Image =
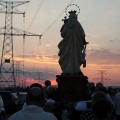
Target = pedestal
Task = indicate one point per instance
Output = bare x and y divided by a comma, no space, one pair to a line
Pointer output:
72,88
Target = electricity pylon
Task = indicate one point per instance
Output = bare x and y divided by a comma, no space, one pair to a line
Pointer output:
7,76
102,78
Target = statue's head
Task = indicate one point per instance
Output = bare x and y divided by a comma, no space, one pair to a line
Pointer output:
72,14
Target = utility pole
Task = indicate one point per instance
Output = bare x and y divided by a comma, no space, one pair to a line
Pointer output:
7,76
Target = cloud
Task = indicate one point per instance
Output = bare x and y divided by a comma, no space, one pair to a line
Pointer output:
47,45
40,56
26,56
111,40
102,57
114,40
112,67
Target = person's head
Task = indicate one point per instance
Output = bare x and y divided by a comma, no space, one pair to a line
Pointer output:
99,94
101,108
35,96
99,84
36,85
47,83
50,91
103,89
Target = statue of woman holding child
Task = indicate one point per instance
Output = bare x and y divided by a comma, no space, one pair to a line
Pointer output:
72,48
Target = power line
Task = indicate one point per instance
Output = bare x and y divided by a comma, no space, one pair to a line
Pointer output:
53,23
35,15
26,7
56,19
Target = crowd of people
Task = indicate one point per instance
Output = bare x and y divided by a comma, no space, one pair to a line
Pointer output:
42,103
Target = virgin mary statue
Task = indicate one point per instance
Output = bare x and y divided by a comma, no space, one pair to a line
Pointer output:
72,47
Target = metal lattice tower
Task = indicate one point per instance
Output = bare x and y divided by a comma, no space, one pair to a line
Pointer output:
7,76
102,78
17,77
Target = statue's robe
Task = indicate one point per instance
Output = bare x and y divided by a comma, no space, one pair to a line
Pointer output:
71,47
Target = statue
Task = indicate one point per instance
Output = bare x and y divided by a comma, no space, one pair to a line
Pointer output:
73,46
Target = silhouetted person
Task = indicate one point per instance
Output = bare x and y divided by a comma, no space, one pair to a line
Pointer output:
47,83
31,86
116,104
33,110
104,89
102,109
85,107
52,104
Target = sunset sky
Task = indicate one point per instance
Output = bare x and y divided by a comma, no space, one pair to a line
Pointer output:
100,20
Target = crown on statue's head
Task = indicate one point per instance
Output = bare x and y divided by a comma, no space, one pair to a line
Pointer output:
72,12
